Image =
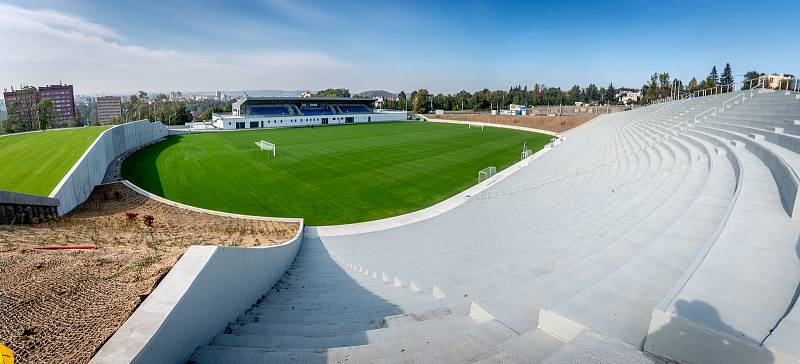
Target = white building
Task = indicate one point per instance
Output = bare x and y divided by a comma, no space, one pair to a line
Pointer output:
628,94
285,112
774,80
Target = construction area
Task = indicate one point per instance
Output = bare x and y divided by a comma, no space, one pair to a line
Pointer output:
62,304
555,124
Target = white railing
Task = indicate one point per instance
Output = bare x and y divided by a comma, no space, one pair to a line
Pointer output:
724,103
713,108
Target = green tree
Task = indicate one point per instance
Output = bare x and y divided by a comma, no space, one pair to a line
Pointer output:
693,84
727,76
714,75
333,92
13,120
573,95
664,84
750,75
402,100
182,115
208,113
650,90
592,93
421,102
77,121
45,114
611,94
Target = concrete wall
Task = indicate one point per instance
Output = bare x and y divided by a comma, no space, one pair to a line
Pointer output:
476,123
20,208
90,169
208,287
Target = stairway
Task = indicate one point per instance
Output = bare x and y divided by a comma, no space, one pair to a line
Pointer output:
572,259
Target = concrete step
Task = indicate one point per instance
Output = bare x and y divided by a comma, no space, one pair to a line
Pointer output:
530,347
262,328
591,347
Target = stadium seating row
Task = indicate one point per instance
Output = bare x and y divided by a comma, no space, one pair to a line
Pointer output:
664,230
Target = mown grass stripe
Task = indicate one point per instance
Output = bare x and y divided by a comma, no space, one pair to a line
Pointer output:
329,175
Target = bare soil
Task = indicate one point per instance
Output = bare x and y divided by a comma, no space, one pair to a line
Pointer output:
62,305
556,124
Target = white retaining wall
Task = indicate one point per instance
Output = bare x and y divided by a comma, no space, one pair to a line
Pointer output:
478,123
208,287
90,169
443,206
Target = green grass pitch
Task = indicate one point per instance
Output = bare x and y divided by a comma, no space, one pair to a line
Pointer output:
34,163
327,175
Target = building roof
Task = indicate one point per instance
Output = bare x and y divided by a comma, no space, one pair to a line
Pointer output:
305,99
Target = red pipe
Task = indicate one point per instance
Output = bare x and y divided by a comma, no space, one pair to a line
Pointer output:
51,247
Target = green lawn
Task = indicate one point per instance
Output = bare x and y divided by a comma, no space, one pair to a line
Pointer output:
327,175
34,163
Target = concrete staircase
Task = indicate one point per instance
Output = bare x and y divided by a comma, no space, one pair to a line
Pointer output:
643,234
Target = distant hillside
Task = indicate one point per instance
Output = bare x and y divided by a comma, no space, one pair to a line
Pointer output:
256,93
376,93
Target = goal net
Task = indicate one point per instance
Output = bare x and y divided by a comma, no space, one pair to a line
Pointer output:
470,126
486,173
266,146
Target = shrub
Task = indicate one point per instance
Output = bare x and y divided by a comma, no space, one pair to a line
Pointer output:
131,216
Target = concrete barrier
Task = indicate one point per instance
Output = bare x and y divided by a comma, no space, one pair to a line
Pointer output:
478,123
90,169
442,206
208,287
20,208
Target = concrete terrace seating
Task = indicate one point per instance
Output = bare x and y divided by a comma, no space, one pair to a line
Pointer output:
269,110
641,234
347,109
316,111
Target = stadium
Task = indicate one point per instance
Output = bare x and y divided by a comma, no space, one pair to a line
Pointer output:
274,112
667,233
272,181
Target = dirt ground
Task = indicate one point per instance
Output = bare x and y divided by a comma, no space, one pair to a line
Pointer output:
556,124
62,305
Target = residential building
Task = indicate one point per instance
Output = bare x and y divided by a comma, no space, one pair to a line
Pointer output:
63,98
108,107
774,80
629,94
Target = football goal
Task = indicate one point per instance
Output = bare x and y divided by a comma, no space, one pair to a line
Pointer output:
470,126
486,173
266,146
525,151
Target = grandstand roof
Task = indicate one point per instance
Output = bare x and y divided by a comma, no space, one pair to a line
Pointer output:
243,105
303,100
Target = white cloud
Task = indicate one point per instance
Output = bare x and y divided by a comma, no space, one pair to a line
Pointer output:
47,46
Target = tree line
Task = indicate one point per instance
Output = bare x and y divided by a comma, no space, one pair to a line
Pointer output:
422,101
661,85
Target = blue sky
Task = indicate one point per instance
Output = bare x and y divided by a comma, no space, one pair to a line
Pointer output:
123,46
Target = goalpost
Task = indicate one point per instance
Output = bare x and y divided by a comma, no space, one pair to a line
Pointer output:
486,173
266,146
469,126
525,151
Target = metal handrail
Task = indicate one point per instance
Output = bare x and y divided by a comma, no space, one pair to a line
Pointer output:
713,108
731,99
